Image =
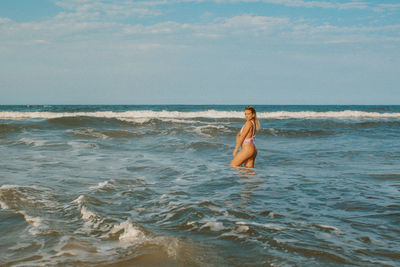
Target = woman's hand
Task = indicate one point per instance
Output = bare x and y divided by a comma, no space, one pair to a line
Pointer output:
234,152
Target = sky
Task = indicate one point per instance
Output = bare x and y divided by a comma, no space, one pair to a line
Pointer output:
200,52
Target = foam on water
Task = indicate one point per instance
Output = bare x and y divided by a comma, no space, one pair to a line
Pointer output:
88,215
205,130
242,229
3,205
39,226
213,226
36,221
266,226
130,235
89,133
30,141
126,233
328,227
105,184
80,200
80,145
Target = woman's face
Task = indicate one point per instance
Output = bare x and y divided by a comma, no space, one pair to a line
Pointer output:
249,115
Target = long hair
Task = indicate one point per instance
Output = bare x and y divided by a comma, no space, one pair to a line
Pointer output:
253,110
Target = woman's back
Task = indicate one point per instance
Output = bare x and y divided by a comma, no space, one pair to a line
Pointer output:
250,136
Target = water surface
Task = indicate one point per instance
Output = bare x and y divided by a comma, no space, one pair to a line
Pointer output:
151,186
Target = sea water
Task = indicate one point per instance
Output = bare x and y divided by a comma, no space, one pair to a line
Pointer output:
152,186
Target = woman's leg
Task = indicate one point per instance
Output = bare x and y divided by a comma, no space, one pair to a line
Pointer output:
241,157
250,162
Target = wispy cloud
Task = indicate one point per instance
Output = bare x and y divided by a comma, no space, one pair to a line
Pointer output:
353,4
92,8
4,20
76,27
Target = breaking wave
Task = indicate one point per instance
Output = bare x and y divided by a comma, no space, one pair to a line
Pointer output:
141,116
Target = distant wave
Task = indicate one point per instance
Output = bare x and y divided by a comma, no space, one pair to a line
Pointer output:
142,115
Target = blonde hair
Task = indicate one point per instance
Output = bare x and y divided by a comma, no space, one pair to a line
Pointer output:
253,110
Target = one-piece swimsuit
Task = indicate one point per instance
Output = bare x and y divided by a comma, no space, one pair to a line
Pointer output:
250,139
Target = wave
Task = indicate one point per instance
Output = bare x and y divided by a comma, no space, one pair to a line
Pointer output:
128,232
33,203
10,128
5,128
97,134
141,116
294,133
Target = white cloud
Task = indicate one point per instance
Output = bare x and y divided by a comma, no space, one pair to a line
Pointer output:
289,3
245,25
74,29
111,10
5,20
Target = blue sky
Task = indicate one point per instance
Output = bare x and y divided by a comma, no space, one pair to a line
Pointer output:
199,52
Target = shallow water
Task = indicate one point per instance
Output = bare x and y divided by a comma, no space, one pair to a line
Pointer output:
150,186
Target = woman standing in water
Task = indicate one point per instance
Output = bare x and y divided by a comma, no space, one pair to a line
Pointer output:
245,139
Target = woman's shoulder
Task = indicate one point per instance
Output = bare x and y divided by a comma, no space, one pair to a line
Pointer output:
248,124
251,123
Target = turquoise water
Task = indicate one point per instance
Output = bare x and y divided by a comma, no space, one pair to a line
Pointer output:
151,186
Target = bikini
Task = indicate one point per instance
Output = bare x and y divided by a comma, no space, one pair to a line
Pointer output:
250,139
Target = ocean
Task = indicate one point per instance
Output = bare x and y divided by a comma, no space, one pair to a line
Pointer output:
151,186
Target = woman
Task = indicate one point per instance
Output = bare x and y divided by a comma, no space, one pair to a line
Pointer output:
245,139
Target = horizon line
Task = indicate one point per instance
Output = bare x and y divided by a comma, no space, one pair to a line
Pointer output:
199,104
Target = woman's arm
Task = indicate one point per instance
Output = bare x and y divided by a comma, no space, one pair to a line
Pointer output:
238,138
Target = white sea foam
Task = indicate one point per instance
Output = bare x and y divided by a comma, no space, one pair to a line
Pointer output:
105,184
323,227
89,132
32,142
328,227
171,246
8,186
88,215
93,221
136,120
3,205
130,233
268,226
180,121
37,223
200,129
79,200
168,216
126,233
82,144
235,235
242,229
273,227
141,116
214,226
191,223
21,246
